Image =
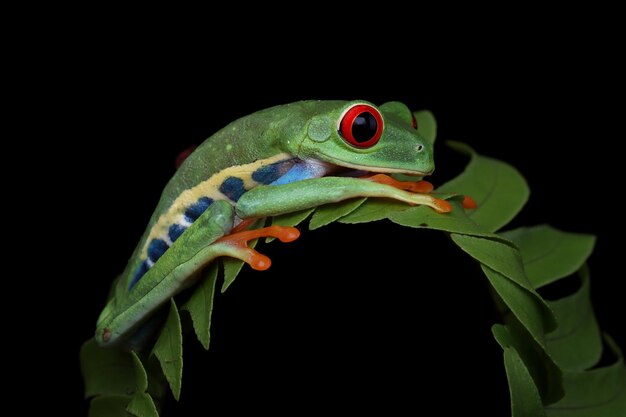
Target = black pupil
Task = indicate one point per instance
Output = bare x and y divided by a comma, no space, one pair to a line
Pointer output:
364,127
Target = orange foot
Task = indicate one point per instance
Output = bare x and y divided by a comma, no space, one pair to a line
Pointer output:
239,243
414,186
418,187
469,203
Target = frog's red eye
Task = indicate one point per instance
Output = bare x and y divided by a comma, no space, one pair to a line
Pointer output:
413,121
361,126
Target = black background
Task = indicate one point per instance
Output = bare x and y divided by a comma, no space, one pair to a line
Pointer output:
349,317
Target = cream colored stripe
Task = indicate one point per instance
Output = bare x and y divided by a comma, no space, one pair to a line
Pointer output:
208,188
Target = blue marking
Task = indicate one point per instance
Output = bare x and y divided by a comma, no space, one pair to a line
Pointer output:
269,173
175,231
196,209
233,188
156,249
300,171
141,271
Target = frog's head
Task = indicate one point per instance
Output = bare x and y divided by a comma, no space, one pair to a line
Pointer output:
358,135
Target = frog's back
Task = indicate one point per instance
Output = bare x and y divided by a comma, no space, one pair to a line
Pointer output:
242,155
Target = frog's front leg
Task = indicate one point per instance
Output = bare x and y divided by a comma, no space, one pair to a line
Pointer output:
273,200
413,186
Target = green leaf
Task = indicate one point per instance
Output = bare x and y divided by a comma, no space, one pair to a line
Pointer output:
525,305
457,221
374,209
598,392
497,255
576,344
169,350
292,219
499,189
141,377
525,399
328,213
232,267
547,376
550,254
500,261
106,371
142,405
200,305
109,406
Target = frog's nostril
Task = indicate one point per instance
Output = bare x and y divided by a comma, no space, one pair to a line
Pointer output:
419,148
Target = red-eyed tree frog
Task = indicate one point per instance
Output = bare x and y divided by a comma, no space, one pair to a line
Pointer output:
276,161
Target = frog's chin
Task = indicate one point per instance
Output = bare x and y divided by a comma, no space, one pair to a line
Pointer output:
346,166
340,165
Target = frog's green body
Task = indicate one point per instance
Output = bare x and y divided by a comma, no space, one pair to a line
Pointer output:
268,163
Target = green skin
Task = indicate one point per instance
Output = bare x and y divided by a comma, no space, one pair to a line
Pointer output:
307,130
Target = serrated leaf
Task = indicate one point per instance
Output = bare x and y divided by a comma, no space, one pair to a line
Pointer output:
598,392
109,406
329,213
499,189
106,371
232,267
292,219
169,350
200,305
576,343
141,377
549,254
525,399
142,405
374,209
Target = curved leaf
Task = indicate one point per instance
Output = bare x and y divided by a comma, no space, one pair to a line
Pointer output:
525,305
496,255
599,392
499,189
550,254
576,343
169,350
525,399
